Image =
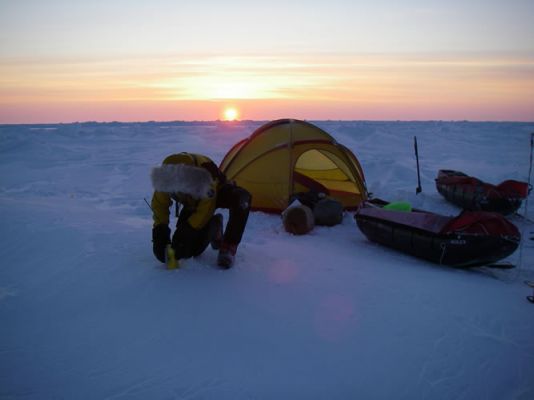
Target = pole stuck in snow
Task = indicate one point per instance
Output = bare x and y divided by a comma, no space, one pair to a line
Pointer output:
520,263
529,173
418,189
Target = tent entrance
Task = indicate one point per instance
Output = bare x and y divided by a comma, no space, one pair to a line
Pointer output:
320,170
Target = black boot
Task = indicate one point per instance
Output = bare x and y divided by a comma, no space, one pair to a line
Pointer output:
226,255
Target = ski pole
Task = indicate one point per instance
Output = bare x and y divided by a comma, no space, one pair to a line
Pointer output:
148,204
526,207
529,172
418,189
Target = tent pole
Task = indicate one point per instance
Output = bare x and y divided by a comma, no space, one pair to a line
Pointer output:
291,184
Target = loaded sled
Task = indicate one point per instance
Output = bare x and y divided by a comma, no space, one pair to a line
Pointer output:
473,238
471,193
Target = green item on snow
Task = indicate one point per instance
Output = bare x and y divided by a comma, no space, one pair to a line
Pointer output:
402,206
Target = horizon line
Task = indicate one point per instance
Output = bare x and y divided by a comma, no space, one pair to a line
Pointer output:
103,122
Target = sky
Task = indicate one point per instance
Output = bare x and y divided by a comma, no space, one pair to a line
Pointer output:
132,60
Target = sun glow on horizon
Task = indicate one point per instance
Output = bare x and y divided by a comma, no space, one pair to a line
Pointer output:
230,114
479,87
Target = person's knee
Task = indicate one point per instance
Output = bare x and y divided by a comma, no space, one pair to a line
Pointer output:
182,248
242,199
188,242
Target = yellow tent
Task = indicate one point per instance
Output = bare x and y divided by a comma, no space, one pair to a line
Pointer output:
289,156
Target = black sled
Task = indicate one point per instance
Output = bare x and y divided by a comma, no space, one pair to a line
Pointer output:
471,239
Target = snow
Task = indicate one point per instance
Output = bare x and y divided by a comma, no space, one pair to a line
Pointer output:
87,312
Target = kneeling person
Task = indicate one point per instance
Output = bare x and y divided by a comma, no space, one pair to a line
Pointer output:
196,183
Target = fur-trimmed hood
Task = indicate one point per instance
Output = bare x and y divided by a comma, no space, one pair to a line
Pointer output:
182,178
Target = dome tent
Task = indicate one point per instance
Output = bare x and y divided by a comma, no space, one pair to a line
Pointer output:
288,156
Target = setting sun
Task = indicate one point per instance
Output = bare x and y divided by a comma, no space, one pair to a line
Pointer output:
230,114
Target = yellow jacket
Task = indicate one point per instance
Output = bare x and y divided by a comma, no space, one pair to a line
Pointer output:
189,179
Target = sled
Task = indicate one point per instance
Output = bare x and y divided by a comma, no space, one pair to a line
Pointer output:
473,194
471,239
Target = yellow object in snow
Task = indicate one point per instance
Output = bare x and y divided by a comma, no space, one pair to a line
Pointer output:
172,262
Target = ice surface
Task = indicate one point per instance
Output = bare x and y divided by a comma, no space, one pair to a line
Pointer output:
87,312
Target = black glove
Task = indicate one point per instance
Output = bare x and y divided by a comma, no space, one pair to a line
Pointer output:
184,240
161,237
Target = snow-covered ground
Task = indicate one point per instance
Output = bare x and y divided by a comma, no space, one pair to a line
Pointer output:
86,311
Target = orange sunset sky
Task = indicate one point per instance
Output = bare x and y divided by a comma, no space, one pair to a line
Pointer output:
118,60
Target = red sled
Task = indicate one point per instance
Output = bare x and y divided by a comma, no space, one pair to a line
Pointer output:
473,194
